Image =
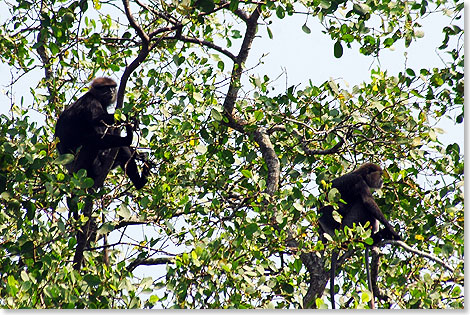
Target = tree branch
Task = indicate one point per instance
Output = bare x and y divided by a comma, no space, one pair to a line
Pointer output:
202,42
418,252
271,159
234,88
84,234
149,262
143,53
317,280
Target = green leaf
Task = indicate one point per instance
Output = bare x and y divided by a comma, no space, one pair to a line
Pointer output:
338,49
92,280
250,230
247,173
106,228
216,114
388,42
333,194
306,29
202,149
280,12
361,8
298,206
54,48
298,265
410,72
154,299
233,5
336,216
259,115
123,211
198,97
270,33
64,159
366,296
320,304
87,183
325,4
348,38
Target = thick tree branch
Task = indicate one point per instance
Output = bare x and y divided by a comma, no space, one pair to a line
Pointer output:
234,88
271,159
143,53
317,280
85,234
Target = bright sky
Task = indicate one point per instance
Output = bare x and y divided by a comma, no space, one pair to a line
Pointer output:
305,57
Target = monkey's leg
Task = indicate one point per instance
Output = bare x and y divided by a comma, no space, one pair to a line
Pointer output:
126,160
112,141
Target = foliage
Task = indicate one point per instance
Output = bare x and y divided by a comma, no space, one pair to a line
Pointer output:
229,213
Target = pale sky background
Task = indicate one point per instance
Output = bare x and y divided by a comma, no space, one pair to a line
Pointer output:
304,57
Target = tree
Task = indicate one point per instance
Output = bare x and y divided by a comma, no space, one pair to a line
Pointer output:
229,213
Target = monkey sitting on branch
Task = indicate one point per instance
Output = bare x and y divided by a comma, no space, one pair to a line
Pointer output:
360,208
85,130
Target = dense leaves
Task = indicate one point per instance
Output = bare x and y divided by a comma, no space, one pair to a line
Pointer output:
228,218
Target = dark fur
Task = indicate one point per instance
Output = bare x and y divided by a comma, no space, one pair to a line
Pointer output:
360,205
82,130
355,189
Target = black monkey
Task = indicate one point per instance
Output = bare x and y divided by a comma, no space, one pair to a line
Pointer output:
360,208
85,129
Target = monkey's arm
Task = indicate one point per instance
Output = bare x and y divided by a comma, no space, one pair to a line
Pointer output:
370,205
97,113
345,182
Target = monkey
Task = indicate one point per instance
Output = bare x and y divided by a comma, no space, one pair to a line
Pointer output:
84,130
360,208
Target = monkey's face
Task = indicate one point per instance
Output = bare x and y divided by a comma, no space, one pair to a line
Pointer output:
374,179
112,94
106,94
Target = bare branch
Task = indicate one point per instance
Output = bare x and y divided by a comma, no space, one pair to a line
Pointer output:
149,262
232,94
143,53
418,252
271,159
202,42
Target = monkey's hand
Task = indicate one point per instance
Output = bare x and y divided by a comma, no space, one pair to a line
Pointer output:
385,234
129,133
133,121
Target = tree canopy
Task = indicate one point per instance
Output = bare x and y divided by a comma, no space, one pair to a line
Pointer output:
229,217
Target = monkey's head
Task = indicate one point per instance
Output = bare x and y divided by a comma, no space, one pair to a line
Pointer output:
104,89
372,174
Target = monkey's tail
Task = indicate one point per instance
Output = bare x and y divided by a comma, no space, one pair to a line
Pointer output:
334,258
369,278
